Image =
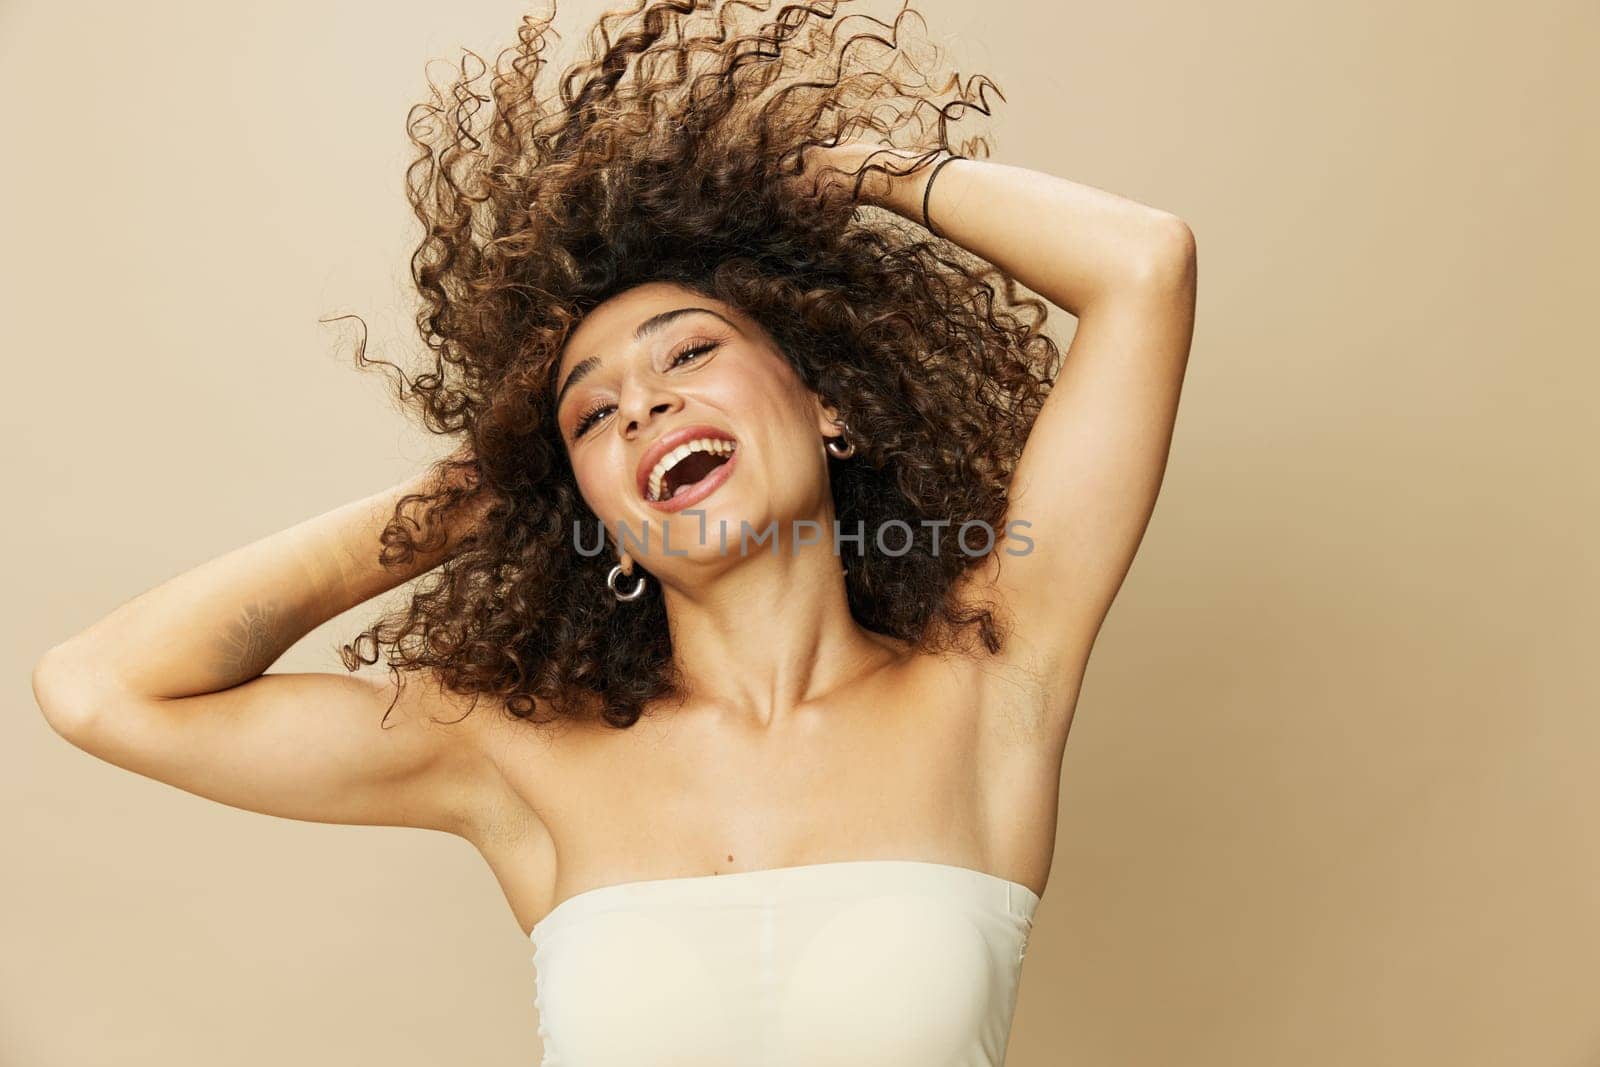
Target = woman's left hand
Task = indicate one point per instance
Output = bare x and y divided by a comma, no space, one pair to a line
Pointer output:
829,171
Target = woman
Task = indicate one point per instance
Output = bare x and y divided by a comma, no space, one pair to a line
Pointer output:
775,529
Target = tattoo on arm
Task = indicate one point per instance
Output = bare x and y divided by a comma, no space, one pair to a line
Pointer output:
251,644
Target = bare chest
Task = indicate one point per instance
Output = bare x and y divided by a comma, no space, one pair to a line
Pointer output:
926,764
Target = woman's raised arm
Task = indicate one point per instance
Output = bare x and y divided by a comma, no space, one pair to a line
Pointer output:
171,685
1087,481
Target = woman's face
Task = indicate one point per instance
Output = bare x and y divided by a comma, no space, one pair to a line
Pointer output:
672,403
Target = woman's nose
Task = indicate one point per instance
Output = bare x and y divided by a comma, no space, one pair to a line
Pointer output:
646,404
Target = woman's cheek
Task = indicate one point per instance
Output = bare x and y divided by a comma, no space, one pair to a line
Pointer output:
597,493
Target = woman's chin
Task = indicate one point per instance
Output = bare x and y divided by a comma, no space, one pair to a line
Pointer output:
706,530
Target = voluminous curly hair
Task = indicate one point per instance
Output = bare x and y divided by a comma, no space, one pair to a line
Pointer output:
668,153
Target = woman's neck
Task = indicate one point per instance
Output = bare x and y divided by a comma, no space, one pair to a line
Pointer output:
769,634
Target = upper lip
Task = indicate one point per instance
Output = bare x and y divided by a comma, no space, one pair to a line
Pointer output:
670,440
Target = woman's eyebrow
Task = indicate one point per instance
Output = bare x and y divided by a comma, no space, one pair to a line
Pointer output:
653,324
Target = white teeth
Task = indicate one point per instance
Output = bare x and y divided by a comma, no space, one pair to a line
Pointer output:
666,463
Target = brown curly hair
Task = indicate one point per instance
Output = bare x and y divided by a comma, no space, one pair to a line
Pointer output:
667,158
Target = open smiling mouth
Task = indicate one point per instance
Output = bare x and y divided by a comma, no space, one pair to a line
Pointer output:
690,472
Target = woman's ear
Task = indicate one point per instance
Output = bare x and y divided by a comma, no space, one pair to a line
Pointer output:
624,560
827,420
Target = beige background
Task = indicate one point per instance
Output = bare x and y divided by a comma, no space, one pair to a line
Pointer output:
1331,793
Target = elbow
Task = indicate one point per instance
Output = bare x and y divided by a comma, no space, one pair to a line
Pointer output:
1170,256
60,693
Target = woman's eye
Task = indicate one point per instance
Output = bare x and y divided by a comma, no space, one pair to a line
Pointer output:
589,418
692,352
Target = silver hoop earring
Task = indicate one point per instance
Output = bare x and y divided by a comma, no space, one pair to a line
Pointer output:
611,582
841,451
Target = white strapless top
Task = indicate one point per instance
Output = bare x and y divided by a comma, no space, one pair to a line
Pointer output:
887,963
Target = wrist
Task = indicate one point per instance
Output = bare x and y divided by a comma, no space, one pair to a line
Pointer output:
882,187
905,194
